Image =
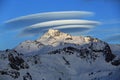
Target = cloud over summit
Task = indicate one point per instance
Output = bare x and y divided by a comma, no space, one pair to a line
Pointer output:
63,20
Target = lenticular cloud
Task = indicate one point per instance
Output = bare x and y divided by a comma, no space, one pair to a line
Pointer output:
60,24
28,20
63,28
64,22
69,21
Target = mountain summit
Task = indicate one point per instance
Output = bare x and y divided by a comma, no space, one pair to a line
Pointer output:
54,38
56,34
53,33
61,56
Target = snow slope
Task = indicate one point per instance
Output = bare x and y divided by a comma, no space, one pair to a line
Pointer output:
60,56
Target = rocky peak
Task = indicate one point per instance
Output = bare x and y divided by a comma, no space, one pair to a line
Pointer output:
56,34
90,39
52,32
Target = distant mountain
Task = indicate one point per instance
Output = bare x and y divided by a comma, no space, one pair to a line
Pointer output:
61,56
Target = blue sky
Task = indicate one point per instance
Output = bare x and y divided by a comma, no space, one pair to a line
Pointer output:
106,11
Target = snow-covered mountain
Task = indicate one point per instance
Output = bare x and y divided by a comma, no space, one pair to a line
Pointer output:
60,56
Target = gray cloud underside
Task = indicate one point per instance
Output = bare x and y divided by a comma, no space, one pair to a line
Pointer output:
71,26
28,20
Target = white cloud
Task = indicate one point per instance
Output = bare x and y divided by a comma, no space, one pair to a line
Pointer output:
63,22
60,24
54,15
24,21
73,26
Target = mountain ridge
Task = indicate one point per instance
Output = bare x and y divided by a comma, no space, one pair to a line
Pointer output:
60,56
55,38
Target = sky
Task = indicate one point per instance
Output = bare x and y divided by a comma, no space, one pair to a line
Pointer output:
105,11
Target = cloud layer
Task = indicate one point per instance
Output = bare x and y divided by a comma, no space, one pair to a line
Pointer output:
61,25
66,21
28,20
64,28
63,22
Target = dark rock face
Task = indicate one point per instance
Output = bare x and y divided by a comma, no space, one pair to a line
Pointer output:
14,74
66,61
116,62
16,62
87,52
67,50
108,54
27,76
69,38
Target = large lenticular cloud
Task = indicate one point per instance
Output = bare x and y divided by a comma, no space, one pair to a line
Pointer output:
28,20
63,28
67,21
61,25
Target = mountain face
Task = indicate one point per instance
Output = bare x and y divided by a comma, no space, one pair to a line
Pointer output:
60,56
